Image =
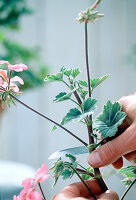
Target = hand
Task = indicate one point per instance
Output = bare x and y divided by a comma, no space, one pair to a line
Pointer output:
78,191
123,145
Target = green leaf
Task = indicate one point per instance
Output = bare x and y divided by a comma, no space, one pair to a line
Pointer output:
74,151
129,171
67,173
73,114
87,177
58,168
54,77
127,181
54,128
82,92
89,106
63,121
75,72
97,81
108,122
94,82
67,72
71,157
62,97
83,83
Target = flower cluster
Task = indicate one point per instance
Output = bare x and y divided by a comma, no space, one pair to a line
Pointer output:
29,192
8,87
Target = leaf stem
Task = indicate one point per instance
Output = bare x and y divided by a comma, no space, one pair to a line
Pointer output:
33,110
128,189
75,102
41,191
83,181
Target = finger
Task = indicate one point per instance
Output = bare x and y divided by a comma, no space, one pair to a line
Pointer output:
79,190
113,150
131,157
118,164
109,195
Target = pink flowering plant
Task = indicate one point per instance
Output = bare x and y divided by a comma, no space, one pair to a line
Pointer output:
100,130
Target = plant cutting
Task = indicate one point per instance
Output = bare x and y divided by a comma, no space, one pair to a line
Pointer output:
100,130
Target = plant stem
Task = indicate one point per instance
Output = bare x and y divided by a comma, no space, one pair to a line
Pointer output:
75,102
85,172
87,62
83,181
89,127
128,189
10,72
41,191
72,134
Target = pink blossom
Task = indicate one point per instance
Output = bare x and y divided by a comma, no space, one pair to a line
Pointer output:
41,175
4,62
16,197
33,194
29,191
3,74
17,67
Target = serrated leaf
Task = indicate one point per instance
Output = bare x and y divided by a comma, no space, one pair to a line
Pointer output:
89,106
71,157
63,121
129,171
83,83
74,151
86,177
73,114
75,72
107,123
54,128
54,77
82,92
62,97
94,82
57,170
67,173
127,181
97,81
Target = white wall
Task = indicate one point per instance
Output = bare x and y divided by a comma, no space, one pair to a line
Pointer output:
26,137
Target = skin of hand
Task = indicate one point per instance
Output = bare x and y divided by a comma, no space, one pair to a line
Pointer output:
78,191
123,145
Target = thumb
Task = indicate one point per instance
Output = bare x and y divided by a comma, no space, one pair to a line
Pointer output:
109,195
113,150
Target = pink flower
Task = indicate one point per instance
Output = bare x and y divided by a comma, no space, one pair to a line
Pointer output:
16,197
29,192
33,194
17,67
41,175
3,74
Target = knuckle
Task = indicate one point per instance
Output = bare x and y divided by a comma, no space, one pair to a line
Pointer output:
108,152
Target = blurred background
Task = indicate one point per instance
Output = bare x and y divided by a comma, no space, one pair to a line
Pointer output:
44,35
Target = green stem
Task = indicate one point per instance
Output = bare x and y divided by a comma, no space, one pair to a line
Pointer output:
99,143
128,189
41,191
83,181
75,102
66,84
45,117
95,4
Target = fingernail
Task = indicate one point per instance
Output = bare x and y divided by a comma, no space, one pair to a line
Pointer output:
94,159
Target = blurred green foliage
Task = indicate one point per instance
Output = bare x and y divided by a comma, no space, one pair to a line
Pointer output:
11,12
